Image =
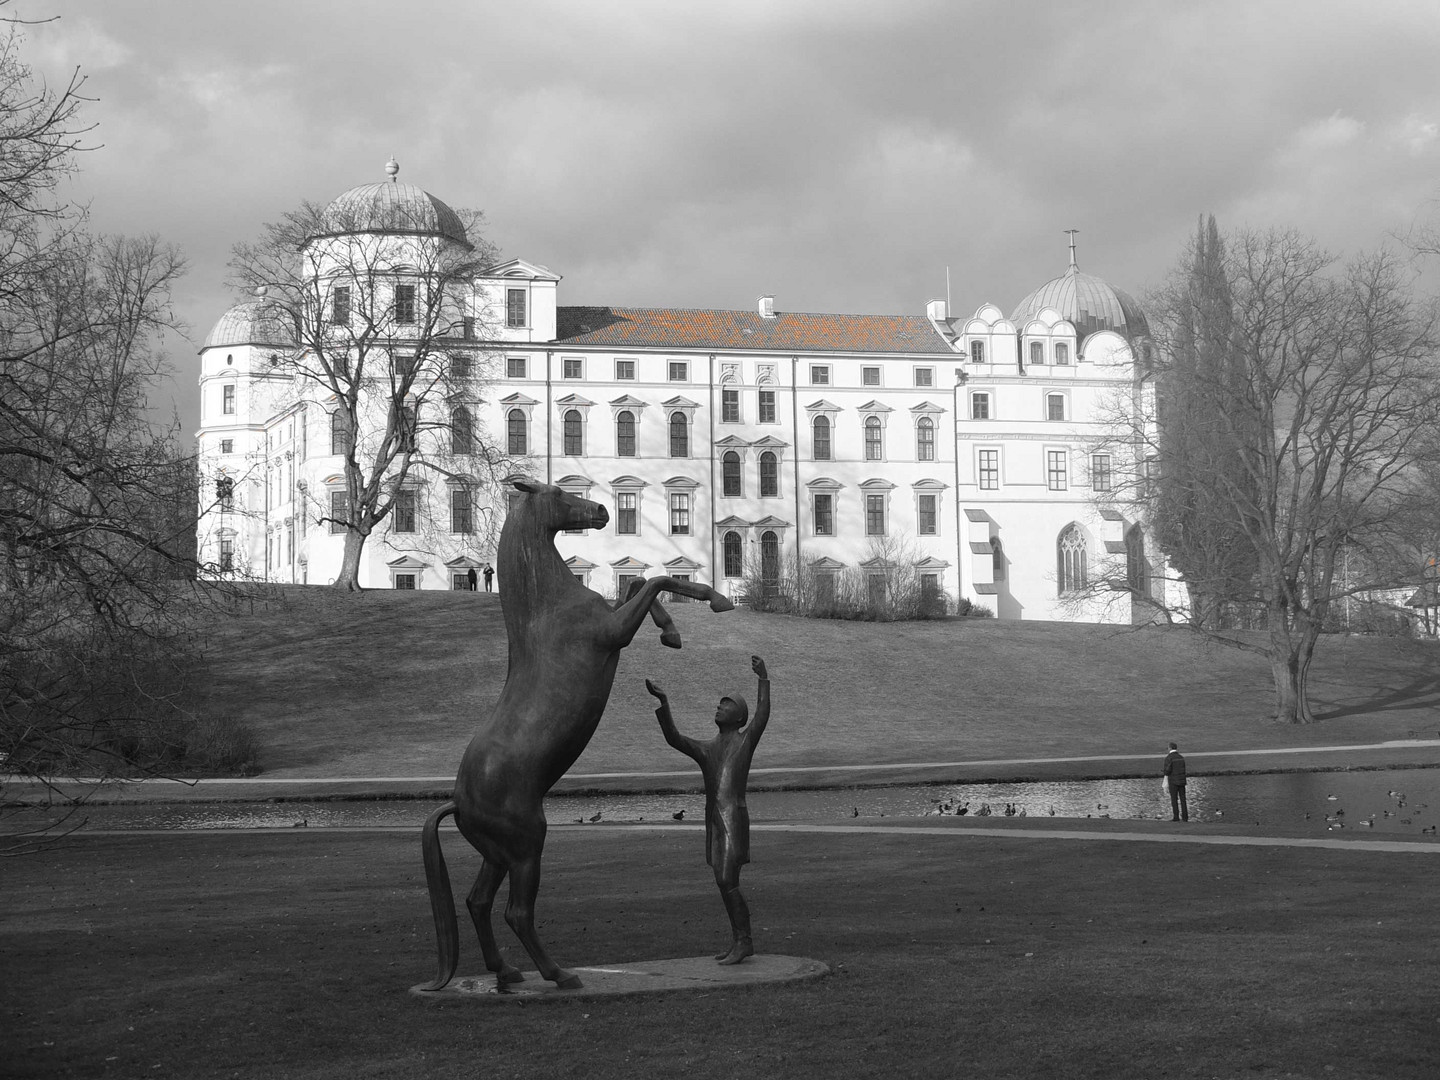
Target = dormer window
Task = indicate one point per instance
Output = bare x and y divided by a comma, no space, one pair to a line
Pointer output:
1037,352
977,352
1062,353
514,307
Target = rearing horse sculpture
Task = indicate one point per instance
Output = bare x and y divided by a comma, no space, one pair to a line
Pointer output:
565,642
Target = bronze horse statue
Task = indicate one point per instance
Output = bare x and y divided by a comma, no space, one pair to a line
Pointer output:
565,642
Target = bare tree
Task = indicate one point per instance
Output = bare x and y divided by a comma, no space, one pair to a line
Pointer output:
1317,421
387,335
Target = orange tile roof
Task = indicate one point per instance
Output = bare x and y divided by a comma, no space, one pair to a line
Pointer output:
681,328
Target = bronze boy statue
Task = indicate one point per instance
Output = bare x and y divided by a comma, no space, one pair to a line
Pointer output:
725,763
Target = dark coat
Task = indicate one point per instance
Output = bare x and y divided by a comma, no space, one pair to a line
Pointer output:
1175,768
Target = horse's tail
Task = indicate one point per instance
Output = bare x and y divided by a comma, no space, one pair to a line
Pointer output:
442,902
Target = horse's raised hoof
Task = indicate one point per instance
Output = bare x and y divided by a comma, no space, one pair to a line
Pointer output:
567,980
721,602
670,638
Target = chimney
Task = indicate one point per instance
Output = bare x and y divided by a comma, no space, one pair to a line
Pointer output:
937,310
767,307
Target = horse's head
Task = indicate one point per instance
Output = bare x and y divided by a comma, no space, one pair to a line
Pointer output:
555,508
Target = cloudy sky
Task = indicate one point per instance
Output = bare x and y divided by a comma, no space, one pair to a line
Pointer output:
839,154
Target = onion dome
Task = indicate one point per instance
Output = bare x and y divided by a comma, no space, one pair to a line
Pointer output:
1090,303
391,208
252,322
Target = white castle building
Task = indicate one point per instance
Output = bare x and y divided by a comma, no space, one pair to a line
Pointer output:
729,446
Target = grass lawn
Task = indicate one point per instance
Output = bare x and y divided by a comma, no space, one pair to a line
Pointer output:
392,683
289,956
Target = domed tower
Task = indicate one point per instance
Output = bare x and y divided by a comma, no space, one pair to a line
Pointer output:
390,208
235,362
1087,302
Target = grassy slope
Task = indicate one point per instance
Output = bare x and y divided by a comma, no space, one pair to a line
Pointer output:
263,956
392,684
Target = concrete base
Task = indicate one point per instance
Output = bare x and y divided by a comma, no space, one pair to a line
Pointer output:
643,977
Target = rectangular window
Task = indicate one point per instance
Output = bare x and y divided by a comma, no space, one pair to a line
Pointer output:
227,556
340,306
870,376
461,519
460,582
679,513
876,590
514,307
767,406
1055,469
404,303
729,406
1055,407
824,514
625,370
1100,472
679,371
874,515
977,352
989,470
924,376
625,517
227,446
819,375
405,581
404,366
461,367
572,367
402,514
1037,352
515,367
339,511
227,400
928,519
1062,353
979,406
623,582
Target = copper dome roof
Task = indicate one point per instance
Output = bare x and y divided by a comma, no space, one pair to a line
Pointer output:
391,208
251,322
1089,302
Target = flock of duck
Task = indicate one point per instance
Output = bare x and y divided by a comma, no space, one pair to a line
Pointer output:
1336,820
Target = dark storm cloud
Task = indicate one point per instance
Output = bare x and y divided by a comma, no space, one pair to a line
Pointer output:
839,155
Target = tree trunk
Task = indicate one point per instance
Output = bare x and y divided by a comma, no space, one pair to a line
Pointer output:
1290,655
349,576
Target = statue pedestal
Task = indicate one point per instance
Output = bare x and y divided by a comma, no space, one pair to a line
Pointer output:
642,977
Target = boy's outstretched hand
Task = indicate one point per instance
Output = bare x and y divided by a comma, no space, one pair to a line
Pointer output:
758,666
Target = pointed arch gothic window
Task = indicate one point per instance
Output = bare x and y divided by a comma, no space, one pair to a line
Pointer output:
1072,560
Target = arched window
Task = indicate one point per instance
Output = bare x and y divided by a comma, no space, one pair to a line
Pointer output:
1062,353
679,435
518,430
1037,352
339,430
225,492
1072,560
1137,568
730,474
874,443
821,444
625,434
925,439
977,352
574,433
769,558
997,560
734,555
462,431
769,475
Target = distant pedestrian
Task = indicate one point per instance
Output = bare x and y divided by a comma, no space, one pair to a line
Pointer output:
471,578
489,576
1175,781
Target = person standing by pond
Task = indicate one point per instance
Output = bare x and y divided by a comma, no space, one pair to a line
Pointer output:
1175,780
725,764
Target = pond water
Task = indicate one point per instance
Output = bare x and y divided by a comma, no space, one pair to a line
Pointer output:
1385,800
